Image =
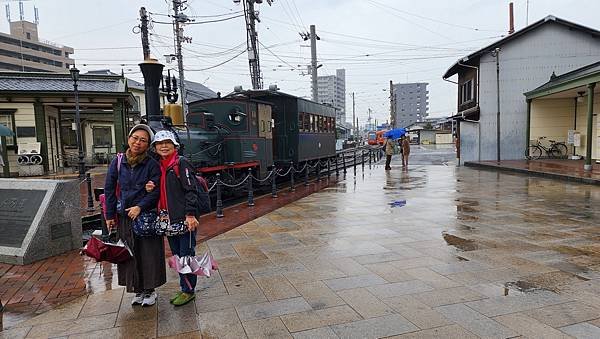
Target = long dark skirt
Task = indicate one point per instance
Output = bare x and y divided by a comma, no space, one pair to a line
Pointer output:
146,270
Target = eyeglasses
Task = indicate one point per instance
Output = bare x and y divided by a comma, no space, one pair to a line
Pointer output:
138,139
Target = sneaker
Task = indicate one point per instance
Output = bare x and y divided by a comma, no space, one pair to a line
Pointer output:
137,300
175,296
184,298
149,299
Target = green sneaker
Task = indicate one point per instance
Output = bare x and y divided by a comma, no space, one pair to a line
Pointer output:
183,299
175,297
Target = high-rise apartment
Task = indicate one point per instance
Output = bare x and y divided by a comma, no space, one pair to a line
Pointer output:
22,51
332,91
411,103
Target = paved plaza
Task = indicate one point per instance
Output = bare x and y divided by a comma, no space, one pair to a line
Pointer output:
433,252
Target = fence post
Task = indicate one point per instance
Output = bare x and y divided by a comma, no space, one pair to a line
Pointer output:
219,198
273,183
306,174
292,188
370,156
319,170
250,189
344,161
337,170
328,168
90,200
354,162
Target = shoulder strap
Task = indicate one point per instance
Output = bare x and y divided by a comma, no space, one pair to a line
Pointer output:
119,161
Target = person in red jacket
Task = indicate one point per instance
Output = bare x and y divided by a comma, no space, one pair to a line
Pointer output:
178,207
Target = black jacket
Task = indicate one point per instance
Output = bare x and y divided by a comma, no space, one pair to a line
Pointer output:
182,199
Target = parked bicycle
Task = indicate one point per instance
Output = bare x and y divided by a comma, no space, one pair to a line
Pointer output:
556,150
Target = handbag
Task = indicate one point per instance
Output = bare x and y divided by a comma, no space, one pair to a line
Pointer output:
167,227
146,225
115,253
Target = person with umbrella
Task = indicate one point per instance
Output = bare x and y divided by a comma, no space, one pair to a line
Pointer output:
178,207
389,147
125,183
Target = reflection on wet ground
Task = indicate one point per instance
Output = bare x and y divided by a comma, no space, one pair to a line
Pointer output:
472,254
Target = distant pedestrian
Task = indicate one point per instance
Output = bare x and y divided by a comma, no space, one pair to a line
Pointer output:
405,150
389,147
126,184
178,207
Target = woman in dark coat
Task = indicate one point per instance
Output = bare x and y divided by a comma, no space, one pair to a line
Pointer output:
146,270
178,205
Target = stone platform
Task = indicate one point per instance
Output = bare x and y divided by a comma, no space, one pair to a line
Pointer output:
428,252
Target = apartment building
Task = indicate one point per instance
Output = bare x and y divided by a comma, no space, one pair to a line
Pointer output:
332,91
412,103
23,51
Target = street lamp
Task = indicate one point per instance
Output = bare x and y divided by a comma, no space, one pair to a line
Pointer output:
75,76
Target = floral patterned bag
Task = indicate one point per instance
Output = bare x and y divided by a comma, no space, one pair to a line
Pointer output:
169,229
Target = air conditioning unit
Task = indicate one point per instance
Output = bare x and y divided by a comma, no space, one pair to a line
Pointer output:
30,160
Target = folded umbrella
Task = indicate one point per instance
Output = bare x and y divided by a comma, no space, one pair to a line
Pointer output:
107,251
198,265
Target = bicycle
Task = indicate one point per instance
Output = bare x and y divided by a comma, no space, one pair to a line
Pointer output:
556,150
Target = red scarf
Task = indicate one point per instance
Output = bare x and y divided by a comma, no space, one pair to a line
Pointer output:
165,164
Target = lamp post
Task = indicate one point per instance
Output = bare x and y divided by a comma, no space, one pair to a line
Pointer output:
75,76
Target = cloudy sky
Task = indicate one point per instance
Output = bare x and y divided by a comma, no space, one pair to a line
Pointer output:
374,40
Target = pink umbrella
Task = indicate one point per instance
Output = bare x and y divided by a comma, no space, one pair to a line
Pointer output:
198,265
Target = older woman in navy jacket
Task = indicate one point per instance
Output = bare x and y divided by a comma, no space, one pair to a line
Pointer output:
146,270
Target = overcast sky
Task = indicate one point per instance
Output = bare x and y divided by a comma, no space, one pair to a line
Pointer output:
374,40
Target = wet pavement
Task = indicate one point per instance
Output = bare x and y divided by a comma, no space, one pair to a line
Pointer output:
435,251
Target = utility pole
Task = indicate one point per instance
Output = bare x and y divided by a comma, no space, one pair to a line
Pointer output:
144,33
313,62
179,19
354,127
392,106
369,119
496,53
252,43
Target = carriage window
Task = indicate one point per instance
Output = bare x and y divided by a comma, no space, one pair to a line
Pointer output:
306,122
321,124
312,122
300,122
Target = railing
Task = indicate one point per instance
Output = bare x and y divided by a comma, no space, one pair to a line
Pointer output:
357,155
340,162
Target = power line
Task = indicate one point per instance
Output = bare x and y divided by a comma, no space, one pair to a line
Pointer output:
433,19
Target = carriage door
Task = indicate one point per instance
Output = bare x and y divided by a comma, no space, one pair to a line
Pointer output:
265,129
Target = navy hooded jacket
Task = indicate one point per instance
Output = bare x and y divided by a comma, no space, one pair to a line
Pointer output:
132,182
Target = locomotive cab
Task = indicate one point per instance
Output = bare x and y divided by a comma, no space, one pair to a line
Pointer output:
242,131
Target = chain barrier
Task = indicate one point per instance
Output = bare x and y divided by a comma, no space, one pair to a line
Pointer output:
236,185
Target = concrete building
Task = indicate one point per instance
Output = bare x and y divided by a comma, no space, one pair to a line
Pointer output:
332,91
411,103
524,59
22,51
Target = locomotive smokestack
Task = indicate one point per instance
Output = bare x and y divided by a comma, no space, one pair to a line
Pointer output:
152,71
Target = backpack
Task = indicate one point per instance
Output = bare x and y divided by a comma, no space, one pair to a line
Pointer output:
201,190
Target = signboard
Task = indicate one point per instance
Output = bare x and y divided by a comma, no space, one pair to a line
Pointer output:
571,137
17,210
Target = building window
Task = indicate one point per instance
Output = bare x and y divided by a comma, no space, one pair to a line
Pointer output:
7,120
28,36
68,136
466,91
102,136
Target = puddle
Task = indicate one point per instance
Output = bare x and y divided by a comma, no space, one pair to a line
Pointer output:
397,203
460,243
461,258
520,286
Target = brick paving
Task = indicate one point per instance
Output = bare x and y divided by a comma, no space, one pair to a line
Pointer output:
470,254
32,289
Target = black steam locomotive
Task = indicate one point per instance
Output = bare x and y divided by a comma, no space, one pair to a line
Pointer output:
247,129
